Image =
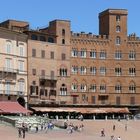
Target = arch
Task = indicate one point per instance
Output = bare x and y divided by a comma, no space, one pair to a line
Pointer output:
118,28
21,101
8,46
132,87
118,40
42,38
63,41
34,37
63,89
63,32
50,39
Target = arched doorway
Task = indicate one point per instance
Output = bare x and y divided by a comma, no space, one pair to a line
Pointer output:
21,101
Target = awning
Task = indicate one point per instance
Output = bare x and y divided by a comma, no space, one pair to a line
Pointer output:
7,107
82,110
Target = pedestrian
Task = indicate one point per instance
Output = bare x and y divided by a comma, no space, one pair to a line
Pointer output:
114,127
19,132
102,132
125,127
23,131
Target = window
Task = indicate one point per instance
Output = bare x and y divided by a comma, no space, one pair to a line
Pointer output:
118,100
74,69
93,70
132,55
118,40
42,72
102,70
63,72
63,41
34,71
83,88
93,88
132,88
118,71
34,37
118,18
118,28
63,56
103,88
7,88
132,71
118,54
21,50
93,54
52,55
74,52
42,38
42,53
118,88
74,87
102,55
1,88
21,86
21,66
132,100
50,39
52,74
63,32
33,52
63,90
8,47
34,90
8,64
83,53
83,70
93,99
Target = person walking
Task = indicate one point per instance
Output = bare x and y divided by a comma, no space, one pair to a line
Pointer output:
23,131
114,127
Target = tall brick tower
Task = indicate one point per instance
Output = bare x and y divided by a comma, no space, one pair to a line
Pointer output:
113,22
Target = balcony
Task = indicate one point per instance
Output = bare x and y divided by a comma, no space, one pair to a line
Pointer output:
8,73
11,92
48,81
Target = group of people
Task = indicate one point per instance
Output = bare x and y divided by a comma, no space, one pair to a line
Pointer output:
71,128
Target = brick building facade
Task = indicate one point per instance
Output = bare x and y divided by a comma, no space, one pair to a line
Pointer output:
79,69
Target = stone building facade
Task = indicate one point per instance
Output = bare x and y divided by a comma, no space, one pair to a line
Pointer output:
13,66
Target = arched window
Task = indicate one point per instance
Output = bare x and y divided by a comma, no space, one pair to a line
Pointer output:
132,88
34,37
118,40
42,38
118,28
103,88
118,18
118,71
8,47
93,87
21,86
74,87
118,87
63,32
63,72
50,39
83,87
63,41
132,71
63,90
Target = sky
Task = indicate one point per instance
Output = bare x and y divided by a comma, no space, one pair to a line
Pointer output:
83,14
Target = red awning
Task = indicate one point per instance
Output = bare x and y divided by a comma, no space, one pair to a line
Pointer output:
12,107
